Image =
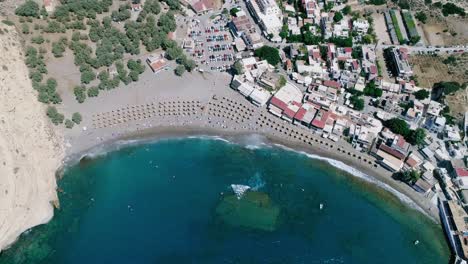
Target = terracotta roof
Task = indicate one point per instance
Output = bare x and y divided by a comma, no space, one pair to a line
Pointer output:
289,112
348,49
300,114
278,103
461,172
320,123
391,151
373,69
333,84
401,142
203,5
316,55
411,162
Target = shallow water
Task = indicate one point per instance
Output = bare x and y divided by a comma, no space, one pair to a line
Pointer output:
156,203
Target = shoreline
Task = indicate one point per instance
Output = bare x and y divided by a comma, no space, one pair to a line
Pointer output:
377,177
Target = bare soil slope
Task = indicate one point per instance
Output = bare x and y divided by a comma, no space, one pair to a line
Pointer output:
31,150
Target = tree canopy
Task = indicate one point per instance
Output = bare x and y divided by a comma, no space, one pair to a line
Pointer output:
421,94
398,126
372,90
337,17
269,54
409,177
357,102
54,115
28,9
238,67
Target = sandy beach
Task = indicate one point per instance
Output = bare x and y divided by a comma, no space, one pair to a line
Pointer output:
31,150
164,105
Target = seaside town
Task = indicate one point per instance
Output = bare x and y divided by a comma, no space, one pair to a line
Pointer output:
361,79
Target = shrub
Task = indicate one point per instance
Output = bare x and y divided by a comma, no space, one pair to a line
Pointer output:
37,39
93,92
80,93
76,118
69,124
54,115
28,9
421,16
179,70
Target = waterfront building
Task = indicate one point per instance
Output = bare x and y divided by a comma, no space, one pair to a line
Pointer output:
157,63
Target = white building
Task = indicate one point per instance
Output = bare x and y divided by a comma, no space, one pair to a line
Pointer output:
361,26
269,17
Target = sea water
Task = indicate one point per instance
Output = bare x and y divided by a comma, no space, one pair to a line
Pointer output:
160,202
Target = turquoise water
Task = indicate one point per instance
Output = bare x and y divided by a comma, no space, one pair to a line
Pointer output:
160,203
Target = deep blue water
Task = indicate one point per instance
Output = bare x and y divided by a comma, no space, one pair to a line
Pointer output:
156,203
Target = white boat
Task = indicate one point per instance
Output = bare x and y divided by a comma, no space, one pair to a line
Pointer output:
239,189
416,242
321,206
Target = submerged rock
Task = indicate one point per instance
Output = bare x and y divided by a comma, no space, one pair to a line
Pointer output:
255,210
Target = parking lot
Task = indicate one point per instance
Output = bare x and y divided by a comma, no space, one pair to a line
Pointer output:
209,43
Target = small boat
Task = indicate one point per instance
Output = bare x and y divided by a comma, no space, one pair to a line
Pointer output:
416,242
321,206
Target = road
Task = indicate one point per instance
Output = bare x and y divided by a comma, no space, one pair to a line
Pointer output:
430,49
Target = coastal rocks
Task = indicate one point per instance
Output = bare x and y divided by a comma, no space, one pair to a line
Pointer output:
254,210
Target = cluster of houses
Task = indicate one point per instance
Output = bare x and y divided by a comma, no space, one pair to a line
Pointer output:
317,98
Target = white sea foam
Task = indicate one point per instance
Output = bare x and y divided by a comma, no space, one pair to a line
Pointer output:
357,173
255,141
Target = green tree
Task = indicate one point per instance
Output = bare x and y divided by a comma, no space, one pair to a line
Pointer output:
152,6
28,9
284,31
337,17
409,177
69,124
179,70
270,54
238,67
80,93
421,16
357,102
93,91
173,4
54,115
372,90
167,22
25,28
37,39
234,11
398,126
281,82
421,94
58,48
76,118
346,10
87,76
417,136
174,53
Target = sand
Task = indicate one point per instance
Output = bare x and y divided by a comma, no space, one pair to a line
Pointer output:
30,149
